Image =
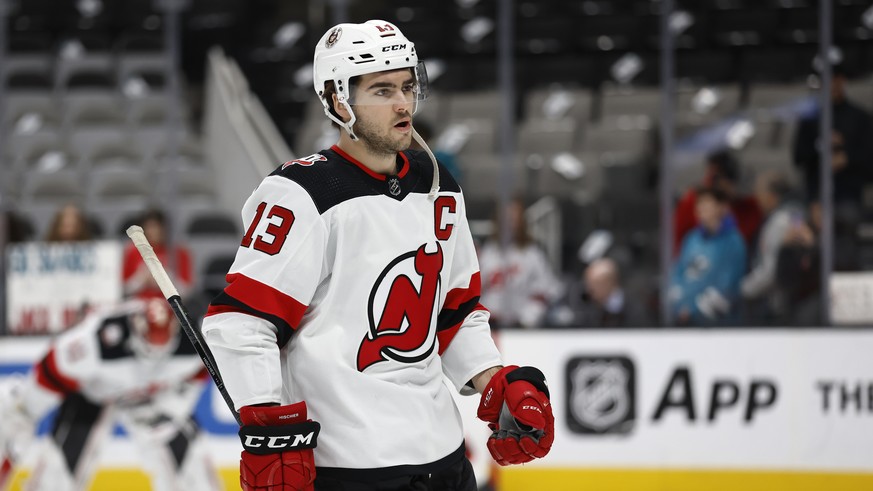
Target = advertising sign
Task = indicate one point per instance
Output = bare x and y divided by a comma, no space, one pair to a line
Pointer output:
49,286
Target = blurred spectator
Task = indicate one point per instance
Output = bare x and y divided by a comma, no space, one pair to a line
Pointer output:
797,301
606,304
69,225
705,281
136,277
723,174
772,192
18,228
851,146
518,285
448,159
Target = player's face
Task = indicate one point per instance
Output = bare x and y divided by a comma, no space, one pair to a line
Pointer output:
383,106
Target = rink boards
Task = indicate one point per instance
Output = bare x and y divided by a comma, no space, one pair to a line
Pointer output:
648,410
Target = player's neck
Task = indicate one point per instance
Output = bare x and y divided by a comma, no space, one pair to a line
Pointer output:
380,164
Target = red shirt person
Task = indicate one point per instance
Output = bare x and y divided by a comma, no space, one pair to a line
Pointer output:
137,280
723,173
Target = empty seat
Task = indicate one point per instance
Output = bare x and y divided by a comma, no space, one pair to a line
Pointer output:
212,277
28,91
27,62
473,105
56,188
546,136
478,135
206,250
617,146
120,186
25,148
214,223
147,109
557,102
91,94
630,102
583,186
116,154
84,54
706,104
89,140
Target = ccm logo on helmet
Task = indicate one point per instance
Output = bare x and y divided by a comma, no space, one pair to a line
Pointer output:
393,47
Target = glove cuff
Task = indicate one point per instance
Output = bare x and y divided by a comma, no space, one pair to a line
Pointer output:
266,440
529,374
492,397
273,415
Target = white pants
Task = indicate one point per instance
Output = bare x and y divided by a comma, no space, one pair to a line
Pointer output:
173,456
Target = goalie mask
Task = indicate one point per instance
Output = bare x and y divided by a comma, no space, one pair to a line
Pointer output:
155,329
348,51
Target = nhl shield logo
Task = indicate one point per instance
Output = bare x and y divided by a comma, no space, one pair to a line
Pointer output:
333,37
394,186
600,395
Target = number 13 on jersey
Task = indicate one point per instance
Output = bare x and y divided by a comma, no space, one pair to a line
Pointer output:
273,238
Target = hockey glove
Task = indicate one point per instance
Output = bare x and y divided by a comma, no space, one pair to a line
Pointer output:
277,443
516,405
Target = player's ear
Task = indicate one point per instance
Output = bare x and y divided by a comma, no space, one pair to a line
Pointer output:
340,109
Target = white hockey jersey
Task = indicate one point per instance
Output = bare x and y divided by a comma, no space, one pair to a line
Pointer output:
95,358
356,292
96,375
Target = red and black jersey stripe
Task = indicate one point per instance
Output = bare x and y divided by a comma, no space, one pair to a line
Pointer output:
48,376
460,302
249,296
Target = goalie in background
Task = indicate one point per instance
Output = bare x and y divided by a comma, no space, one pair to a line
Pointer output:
126,364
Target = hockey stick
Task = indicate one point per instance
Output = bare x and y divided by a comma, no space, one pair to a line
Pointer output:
172,295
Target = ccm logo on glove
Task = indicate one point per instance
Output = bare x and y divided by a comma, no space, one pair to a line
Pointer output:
272,439
280,442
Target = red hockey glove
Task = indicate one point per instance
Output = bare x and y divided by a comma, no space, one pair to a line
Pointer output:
516,405
278,443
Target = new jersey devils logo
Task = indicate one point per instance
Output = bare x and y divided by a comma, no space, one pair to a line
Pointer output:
404,329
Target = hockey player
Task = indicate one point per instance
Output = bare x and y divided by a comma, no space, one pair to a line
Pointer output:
126,364
354,290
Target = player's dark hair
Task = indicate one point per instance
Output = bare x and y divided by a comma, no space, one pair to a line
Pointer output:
726,164
778,184
714,193
153,214
329,91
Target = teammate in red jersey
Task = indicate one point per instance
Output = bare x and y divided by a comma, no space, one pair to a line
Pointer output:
355,292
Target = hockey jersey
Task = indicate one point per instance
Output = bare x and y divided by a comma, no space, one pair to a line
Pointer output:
355,292
97,359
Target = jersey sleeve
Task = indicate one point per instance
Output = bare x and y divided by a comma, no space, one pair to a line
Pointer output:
463,332
270,285
279,263
67,367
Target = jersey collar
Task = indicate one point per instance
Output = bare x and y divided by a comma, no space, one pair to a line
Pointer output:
375,175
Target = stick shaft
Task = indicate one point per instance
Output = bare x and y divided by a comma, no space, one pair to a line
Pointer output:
169,290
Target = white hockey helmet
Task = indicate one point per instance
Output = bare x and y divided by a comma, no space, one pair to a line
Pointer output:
350,50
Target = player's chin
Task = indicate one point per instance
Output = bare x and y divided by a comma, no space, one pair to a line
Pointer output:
404,142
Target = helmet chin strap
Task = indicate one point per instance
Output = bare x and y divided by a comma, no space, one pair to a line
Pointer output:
435,183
